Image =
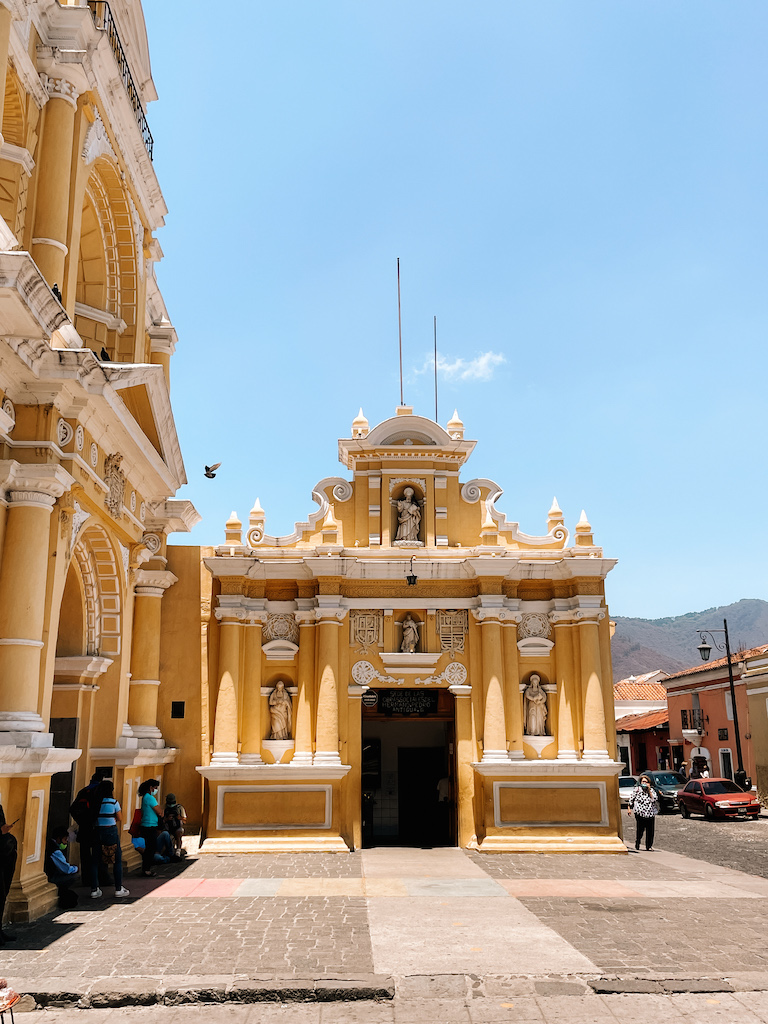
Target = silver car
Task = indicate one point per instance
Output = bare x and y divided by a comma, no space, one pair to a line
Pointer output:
626,784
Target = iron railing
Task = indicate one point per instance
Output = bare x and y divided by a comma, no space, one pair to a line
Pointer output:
693,719
102,16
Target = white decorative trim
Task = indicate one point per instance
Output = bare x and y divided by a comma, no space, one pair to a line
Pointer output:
534,647
21,643
245,827
551,766
64,433
94,455
101,316
17,155
97,142
79,437
280,650
37,852
343,491
364,673
143,682
599,786
454,674
60,89
420,481
51,241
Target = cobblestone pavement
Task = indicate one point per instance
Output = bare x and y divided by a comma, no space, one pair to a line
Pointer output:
408,913
499,1008
741,845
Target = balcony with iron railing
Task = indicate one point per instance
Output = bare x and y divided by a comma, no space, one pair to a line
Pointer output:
692,720
104,19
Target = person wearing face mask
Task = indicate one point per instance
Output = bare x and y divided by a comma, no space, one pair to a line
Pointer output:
151,817
63,874
644,801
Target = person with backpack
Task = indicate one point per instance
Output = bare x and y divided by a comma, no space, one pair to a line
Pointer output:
174,817
84,811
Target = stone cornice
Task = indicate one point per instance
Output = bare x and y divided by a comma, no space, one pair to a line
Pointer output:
153,582
539,766
37,484
172,516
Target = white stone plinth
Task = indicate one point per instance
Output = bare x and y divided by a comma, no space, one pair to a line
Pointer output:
277,749
539,743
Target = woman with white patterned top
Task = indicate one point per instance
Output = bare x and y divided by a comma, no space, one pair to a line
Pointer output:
644,801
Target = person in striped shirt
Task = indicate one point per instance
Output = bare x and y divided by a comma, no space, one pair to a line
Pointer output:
108,825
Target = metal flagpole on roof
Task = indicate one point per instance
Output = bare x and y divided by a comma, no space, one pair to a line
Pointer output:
435,328
400,332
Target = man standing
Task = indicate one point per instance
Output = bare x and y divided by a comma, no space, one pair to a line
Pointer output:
8,855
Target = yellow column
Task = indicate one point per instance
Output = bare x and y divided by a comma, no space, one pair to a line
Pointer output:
5,36
327,744
306,677
49,248
567,692
225,727
354,821
595,742
23,579
145,654
494,727
251,745
465,788
514,703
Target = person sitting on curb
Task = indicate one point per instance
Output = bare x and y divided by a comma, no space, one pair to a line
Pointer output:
63,874
644,801
174,818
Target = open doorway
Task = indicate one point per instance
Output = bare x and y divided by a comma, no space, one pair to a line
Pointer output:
408,769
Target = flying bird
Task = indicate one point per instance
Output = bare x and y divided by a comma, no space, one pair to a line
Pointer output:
210,471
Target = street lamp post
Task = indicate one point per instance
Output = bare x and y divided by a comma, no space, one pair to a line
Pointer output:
740,778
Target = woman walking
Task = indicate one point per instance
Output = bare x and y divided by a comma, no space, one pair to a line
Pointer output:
151,817
644,801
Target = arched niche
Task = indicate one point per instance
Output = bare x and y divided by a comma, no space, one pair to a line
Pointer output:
71,640
407,530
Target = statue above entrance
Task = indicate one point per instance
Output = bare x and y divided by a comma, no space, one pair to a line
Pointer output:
535,707
410,635
280,712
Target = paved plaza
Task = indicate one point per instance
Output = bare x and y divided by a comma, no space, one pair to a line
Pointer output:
437,935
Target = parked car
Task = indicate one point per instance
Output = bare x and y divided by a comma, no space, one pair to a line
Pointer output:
667,784
717,798
626,784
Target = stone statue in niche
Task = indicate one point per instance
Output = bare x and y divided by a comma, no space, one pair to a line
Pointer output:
408,516
410,635
535,707
280,712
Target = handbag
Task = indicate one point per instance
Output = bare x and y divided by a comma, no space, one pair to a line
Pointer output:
108,853
135,827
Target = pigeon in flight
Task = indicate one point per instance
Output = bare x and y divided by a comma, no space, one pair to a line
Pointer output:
210,471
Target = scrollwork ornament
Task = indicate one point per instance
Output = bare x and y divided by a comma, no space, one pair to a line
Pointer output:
8,409
255,535
151,542
343,491
133,501
79,437
471,492
94,455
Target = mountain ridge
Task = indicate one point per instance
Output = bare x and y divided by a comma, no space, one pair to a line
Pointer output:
669,643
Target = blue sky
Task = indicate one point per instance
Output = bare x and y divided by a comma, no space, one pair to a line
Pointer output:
577,190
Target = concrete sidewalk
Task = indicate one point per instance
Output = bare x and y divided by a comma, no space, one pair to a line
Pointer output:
435,925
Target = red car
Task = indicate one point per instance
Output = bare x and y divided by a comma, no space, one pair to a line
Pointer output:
717,798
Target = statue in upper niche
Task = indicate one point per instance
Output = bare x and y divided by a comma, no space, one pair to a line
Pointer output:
535,707
408,517
410,635
280,712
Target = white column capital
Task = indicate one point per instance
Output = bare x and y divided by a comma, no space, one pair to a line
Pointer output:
32,484
59,87
153,583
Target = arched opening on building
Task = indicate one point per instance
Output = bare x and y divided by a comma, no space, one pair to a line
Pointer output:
87,658
109,264
409,767
15,165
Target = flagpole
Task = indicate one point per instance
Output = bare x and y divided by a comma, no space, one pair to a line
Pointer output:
400,332
435,329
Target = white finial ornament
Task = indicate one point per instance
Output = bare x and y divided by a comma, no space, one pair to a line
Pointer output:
455,427
360,425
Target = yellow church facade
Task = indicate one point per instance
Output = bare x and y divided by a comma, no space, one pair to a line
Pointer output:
90,459
407,667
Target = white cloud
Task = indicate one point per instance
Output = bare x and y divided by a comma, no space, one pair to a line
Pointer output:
482,367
